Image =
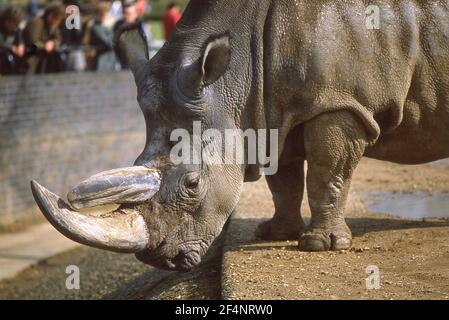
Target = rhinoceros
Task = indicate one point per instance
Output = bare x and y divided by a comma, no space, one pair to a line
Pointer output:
334,88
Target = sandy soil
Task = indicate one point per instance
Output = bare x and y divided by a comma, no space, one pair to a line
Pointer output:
412,256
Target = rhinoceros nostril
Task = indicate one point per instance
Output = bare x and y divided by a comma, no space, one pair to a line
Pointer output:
179,258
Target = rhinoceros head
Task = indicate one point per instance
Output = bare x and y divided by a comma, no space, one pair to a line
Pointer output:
166,212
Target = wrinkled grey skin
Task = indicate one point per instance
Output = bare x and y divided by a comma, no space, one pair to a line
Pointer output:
335,90
350,92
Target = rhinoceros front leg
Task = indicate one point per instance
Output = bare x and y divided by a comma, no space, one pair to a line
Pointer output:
334,144
287,188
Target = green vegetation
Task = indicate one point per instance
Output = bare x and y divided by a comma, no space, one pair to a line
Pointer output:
156,30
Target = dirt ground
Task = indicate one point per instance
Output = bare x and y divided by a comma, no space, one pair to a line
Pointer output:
412,256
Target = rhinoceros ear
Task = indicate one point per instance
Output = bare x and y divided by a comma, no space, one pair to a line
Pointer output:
215,60
192,78
131,47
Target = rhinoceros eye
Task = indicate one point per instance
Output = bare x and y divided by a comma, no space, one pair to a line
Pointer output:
192,180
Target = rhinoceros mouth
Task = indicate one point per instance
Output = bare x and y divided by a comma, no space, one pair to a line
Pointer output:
174,257
183,261
188,260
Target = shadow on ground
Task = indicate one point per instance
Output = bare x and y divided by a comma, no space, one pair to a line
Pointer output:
243,229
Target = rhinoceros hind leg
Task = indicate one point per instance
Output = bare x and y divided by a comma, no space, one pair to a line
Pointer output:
287,187
334,144
277,230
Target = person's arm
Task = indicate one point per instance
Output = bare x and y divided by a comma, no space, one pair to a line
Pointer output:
101,38
57,37
18,45
18,38
33,33
4,45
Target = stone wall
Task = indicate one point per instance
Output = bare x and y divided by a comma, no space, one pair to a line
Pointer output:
59,129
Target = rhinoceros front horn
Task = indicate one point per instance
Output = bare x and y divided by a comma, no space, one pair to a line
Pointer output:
122,230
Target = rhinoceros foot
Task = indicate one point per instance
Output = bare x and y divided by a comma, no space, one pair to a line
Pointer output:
336,238
278,230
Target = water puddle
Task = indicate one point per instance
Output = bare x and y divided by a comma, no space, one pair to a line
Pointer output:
409,205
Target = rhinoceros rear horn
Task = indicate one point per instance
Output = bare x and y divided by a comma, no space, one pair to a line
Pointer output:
120,230
131,47
130,185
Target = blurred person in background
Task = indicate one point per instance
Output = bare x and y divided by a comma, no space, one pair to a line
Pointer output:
141,7
42,39
71,43
32,8
171,18
101,39
12,48
130,15
116,12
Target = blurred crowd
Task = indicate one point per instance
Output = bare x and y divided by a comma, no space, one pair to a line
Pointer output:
34,41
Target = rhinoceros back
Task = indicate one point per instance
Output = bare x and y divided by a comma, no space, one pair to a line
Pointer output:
323,56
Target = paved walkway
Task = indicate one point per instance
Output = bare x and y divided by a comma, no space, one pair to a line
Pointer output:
20,250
